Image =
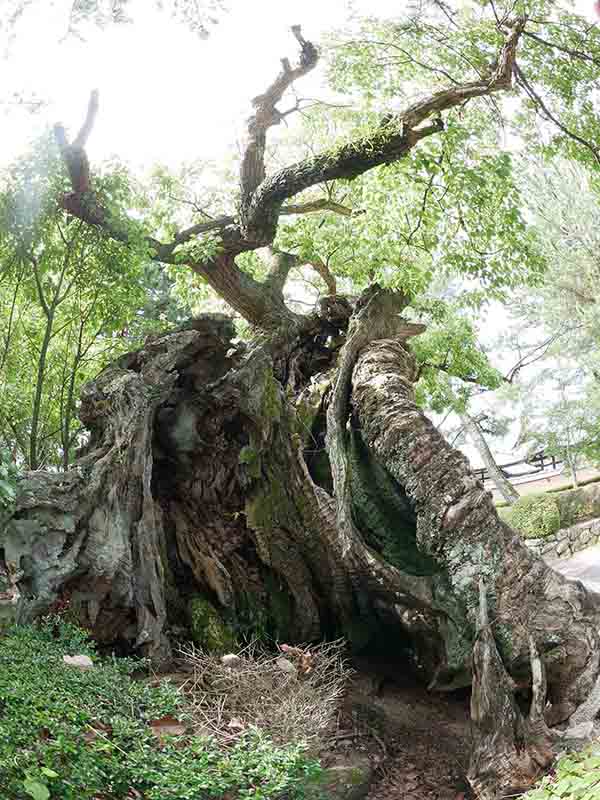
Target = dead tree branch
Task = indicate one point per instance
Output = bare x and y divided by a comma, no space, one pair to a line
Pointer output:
253,171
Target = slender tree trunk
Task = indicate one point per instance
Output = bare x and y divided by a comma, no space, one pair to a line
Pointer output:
68,406
39,391
504,486
573,468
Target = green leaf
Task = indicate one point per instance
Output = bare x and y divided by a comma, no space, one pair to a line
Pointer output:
36,790
49,773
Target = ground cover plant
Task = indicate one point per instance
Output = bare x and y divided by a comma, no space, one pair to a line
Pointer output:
68,733
576,777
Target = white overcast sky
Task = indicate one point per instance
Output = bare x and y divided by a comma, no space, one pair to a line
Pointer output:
166,95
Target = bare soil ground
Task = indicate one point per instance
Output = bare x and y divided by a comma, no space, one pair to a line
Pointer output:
419,741
416,741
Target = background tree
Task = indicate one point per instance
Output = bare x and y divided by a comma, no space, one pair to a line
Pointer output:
562,420
66,295
454,372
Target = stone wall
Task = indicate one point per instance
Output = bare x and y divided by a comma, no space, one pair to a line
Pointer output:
567,541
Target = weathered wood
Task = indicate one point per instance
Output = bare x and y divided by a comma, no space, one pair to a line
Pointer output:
197,481
509,751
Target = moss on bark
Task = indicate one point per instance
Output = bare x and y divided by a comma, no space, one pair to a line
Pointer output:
208,629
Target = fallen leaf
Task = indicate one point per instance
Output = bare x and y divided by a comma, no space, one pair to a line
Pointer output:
167,726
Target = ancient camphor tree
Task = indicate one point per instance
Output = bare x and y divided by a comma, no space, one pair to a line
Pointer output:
293,481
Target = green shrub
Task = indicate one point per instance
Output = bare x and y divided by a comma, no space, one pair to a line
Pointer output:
534,515
576,777
75,734
8,480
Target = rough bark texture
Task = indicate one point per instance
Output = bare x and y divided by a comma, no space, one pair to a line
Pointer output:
296,489
458,527
293,487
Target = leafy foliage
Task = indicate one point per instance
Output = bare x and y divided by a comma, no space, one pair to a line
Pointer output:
74,734
450,361
534,515
71,299
576,777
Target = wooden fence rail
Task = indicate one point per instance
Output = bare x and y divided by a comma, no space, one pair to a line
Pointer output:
540,461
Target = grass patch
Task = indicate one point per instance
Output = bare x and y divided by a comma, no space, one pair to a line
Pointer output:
91,734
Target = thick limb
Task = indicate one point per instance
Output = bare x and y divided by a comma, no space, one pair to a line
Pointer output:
458,526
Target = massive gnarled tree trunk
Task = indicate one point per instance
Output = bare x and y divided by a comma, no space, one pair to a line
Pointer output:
311,497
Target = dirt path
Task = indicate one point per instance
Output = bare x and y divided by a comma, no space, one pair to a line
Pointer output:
417,742
425,737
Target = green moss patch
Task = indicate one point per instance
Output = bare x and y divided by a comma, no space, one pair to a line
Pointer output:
383,512
208,629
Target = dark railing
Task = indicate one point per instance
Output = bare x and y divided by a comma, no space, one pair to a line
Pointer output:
540,461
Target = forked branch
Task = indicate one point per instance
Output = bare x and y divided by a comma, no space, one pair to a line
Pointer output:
252,171
263,198
74,153
391,142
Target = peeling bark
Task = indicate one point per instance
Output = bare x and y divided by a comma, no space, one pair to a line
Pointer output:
509,751
457,525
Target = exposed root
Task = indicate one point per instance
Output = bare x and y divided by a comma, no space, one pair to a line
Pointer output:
509,752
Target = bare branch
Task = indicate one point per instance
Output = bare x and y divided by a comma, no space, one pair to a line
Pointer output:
388,144
262,198
74,155
282,262
322,269
537,353
252,171
581,55
320,205
90,118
